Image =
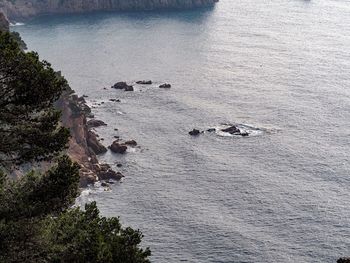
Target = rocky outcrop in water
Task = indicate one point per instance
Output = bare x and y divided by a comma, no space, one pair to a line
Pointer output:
21,9
4,23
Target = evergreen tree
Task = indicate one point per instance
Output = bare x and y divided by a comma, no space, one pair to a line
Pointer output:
36,221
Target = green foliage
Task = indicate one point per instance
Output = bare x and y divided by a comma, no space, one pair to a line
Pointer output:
36,221
92,238
28,119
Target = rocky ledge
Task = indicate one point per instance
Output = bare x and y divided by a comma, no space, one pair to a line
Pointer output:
22,9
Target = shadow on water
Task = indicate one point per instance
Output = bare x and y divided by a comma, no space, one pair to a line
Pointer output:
197,15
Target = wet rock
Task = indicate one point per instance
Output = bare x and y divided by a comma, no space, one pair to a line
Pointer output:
165,86
123,85
244,134
104,184
129,88
95,123
232,130
110,175
211,130
144,82
114,100
343,260
117,147
131,143
194,132
94,144
120,85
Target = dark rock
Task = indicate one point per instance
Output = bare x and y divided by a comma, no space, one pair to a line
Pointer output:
110,182
119,165
104,184
123,85
117,147
115,100
131,143
343,260
144,82
165,86
116,137
95,123
120,85
129,88
232,130
85,96
94,144
115,129
211,130
244,134
194,132
82,99
110,175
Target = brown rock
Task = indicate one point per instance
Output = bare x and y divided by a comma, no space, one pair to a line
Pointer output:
95,123
117,147
94,144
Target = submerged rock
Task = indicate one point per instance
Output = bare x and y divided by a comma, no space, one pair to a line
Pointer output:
144,82
194,132
131,143
235,131
165,86
95,123
117,147
129,88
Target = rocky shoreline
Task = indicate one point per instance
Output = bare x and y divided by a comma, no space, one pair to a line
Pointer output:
23,9
84,145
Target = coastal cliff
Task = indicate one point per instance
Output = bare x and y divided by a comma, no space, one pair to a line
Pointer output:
83,144
22,9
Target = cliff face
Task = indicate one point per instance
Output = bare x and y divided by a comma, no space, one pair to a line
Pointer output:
83,142
4,23
21,9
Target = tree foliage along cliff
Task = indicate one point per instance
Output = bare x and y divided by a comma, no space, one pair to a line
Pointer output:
36,221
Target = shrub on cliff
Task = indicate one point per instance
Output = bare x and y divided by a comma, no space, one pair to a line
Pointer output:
28,119
36,221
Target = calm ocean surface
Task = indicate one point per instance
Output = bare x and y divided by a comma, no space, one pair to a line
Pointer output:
282,66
